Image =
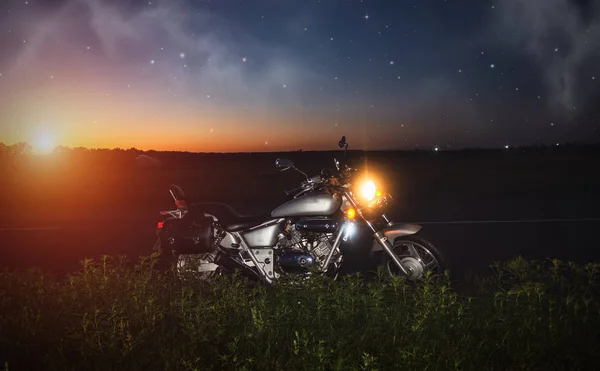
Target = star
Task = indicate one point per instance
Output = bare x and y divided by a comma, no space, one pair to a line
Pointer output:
391,63
492,65
152,61
182,55
366,17
460,70
284,85
88,48
244,59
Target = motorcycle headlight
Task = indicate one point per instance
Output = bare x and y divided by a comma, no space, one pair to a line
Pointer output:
368,190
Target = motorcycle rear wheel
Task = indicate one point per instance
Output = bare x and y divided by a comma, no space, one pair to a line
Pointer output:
185,264
418,255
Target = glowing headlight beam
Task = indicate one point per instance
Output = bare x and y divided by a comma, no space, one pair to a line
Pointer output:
368,190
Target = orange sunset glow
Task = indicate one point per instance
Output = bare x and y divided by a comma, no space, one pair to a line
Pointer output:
227,77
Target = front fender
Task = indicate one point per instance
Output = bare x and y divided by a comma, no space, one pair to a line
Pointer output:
396,230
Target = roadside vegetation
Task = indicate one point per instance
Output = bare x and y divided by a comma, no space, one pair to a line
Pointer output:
110,315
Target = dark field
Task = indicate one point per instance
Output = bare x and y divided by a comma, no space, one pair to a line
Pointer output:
103,202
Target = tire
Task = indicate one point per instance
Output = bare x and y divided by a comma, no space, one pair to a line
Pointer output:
429,258
183,264
189,264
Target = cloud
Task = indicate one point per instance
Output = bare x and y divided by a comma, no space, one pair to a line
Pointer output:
127,38
561,36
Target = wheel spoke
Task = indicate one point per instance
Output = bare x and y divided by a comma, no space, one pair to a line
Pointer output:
413,251
429,265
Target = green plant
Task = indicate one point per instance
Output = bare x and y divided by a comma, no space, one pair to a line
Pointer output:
111,315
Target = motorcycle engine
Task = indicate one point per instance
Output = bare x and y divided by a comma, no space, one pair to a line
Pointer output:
301,250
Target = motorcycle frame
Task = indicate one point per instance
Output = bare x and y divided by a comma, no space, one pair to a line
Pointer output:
239,239
383,240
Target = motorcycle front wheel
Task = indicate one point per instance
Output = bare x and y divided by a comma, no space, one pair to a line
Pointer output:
418,255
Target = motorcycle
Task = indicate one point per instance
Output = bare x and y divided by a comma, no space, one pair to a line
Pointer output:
299,238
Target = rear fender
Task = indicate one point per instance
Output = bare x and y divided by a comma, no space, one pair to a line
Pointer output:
394,231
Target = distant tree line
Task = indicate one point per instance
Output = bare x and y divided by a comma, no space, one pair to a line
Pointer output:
22,153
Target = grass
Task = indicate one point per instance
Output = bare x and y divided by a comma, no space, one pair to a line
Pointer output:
527,315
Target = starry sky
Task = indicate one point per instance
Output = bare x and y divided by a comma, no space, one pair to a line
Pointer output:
278,75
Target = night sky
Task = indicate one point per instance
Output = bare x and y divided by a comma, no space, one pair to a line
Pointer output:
271,75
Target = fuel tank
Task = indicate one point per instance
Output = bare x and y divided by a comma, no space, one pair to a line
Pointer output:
312,204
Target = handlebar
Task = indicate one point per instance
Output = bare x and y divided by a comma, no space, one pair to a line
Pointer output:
294,191
318,180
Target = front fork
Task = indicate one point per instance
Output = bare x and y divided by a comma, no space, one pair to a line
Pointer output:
380,237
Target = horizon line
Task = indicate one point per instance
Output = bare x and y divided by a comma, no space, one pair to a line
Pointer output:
416,149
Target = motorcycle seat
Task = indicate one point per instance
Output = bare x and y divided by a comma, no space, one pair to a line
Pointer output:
228,217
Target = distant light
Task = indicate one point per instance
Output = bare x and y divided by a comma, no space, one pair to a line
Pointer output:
492,65
557,144
244,59
437,149
152,61
182,55
391,63
88,48
284,85
506,147
366,16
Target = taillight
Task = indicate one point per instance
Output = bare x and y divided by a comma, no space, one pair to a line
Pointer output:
159,227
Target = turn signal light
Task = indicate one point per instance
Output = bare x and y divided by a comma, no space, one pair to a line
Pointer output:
350,213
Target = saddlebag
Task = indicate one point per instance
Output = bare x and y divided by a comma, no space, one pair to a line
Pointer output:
192,234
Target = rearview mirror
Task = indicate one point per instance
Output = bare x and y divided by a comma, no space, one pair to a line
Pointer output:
283,164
